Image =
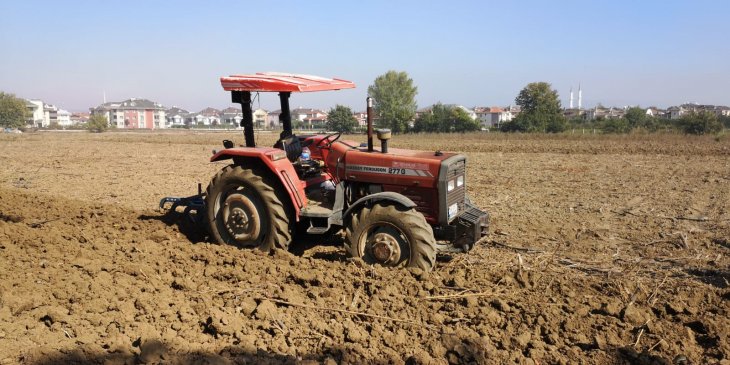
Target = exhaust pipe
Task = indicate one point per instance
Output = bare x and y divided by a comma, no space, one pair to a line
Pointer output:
370,123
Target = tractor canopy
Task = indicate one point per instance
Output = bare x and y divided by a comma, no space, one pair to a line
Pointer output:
282,82
241,87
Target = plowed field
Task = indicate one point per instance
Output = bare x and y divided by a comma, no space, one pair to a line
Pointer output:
603,250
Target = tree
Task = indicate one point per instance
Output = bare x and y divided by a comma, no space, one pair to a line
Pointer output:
445,119
395,100
340,119
541,110
97,123
635,117
434,120
13,112
460,121
702,122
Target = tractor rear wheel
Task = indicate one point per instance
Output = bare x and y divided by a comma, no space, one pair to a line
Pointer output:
245,209
391,235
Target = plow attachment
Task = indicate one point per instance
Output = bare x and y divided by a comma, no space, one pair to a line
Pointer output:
194,206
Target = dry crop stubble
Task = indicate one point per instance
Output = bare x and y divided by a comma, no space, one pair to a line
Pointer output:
604,249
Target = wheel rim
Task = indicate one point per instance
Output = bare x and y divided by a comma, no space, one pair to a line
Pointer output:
384,244
239,215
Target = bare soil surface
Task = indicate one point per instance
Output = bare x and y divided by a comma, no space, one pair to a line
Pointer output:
603,250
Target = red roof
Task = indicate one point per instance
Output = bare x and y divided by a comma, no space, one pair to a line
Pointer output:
282,82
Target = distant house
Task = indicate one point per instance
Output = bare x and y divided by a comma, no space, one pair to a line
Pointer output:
573,113
600,112
312,118
676,112
63,118
79,118
259,118
723,111
231,116
50,115
362,118
655,112
494,116
36,114
133,113
272,118
42,115
208,116
305,113
176,117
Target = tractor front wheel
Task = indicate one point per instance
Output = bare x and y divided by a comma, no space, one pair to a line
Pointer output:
245,210
391,235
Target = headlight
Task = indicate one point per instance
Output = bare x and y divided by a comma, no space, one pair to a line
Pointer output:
453,209
460,180
450,186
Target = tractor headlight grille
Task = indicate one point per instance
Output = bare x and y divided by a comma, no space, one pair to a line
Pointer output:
452,189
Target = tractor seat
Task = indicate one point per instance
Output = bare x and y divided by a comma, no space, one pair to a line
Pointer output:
292,146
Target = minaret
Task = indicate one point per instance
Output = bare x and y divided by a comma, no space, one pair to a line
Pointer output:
571,97
580,97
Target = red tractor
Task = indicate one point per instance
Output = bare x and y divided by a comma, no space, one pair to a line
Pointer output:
393,204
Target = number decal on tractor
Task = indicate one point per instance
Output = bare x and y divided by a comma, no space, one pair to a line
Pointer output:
388,170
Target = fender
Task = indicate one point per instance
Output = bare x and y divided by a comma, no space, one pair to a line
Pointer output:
275,160
373,198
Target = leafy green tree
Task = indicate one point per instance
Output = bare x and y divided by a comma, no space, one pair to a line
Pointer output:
703,122
445,119
13,112
434,120
541,110
395,100
460,121
97,123
556,125
636,117
340,119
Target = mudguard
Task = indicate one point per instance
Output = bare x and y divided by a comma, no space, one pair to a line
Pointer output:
372,198
275,160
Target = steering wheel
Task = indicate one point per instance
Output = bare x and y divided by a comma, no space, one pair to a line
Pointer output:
321,143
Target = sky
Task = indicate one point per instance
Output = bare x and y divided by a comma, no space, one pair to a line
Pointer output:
472,53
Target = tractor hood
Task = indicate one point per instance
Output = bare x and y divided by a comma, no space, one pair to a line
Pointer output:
398,166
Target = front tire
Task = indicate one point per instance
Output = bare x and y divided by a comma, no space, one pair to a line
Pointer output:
391,235
243,208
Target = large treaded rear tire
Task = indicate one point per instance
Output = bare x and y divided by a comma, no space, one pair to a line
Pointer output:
417,245
255,193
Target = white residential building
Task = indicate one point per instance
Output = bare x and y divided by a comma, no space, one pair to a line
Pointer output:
494,116
37,115
176,117
63,118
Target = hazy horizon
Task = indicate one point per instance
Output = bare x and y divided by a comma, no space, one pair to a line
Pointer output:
653,53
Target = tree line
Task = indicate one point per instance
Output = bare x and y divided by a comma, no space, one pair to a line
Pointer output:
395,107
541,111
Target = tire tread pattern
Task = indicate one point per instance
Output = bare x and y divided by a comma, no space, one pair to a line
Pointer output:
411,222
280,234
